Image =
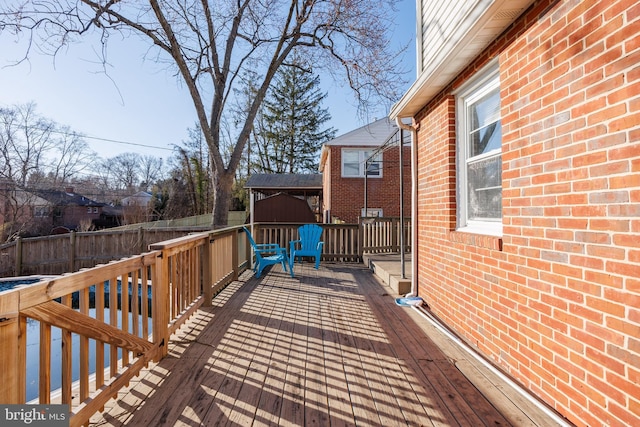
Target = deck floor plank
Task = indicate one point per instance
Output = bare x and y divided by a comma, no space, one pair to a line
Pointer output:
269,403
410,345
328,347
441,372
363,328
294,356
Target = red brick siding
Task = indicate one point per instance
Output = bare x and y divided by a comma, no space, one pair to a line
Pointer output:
556,301
326,188
72,216
346,197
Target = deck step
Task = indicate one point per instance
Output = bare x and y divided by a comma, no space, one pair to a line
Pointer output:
388,268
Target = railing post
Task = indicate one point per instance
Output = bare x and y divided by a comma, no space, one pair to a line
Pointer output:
160,305
207,271
394,234
360,238
13,363
234,254
247,252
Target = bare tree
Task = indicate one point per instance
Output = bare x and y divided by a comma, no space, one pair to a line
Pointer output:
150,171
123,171
25,140
35,153
70,157
38,152
209,44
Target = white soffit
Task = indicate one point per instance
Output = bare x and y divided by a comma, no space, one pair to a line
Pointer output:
458,45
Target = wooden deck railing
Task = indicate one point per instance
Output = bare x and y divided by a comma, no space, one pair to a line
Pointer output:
344,242
382,235
117,333
71,252
113,319
341,241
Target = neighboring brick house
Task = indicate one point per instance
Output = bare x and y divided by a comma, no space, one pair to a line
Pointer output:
68,210
21,212
41,212
342,164
527,223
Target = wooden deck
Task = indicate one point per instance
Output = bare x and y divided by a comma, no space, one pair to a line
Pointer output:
328,347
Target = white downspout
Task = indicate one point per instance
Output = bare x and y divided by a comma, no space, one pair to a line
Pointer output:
414,205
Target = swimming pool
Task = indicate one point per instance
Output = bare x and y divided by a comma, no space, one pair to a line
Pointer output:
9,283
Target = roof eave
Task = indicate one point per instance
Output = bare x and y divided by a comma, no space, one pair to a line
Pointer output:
471,39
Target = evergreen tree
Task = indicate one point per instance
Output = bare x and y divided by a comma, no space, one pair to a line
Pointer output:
291,124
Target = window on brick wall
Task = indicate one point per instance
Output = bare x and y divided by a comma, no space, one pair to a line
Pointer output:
355,161
40,211
479,154
371,212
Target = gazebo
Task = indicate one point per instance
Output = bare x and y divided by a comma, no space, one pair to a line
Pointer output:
285,197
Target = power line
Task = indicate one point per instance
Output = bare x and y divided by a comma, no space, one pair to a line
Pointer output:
111,140
97,138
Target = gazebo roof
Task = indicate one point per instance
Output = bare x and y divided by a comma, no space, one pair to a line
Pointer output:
291,183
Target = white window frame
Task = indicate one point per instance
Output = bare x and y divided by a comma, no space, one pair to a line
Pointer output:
371,213
363,156
483,83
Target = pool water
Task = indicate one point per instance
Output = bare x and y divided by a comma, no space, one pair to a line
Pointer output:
33,354
8,284
33,336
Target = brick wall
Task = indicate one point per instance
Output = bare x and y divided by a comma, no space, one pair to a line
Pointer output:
556,300
346,198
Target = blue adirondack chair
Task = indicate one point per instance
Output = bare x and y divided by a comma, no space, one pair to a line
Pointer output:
267,254
308,244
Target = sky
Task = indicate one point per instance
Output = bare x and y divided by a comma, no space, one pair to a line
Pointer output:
139,106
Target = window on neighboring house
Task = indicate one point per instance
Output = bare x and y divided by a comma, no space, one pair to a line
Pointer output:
89,210
371,212
41,211
479,154
95,209
354,163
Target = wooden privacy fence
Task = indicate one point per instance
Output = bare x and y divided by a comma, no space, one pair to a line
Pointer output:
65,253
113,319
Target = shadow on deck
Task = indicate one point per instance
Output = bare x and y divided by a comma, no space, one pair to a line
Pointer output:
328,347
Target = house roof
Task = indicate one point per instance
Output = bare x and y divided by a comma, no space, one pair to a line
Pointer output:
372,134
140,194
138,198
63,198
459,41
284,181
